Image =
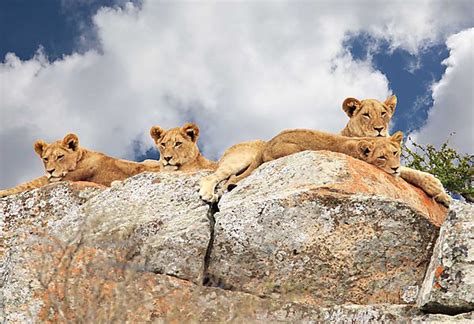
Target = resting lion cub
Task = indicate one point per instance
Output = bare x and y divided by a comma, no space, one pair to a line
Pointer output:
383,152
178,149
66,160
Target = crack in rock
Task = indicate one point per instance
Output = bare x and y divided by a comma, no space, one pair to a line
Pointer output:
213,209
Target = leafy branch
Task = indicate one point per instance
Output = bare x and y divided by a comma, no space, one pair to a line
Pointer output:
454,170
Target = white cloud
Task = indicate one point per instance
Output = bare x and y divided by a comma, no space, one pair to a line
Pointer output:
453,95
241,70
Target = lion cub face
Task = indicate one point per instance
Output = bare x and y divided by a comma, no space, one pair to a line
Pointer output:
59,157
369,117
177,146
383,152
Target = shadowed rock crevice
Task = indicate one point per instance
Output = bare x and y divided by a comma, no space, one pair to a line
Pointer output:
213,209
210,280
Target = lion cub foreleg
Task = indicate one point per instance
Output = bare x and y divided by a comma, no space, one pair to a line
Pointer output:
429,183
228,166
36,183
268,153
236,159
208,184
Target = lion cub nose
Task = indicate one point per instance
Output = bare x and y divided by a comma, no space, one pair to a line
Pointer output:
395,169
378,129
167,158
50,171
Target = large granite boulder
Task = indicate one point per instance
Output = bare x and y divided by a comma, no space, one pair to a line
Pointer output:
449,282
325,229
309,233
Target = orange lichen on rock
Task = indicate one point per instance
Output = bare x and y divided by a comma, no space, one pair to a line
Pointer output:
367,179
439,270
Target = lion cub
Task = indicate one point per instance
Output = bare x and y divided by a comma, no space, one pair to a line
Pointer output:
382,152
66,160
178,149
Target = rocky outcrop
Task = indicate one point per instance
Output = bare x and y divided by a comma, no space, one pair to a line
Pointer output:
326,229
449,282
293,242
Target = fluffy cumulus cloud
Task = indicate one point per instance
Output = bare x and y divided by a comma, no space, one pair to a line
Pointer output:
240,70
453,95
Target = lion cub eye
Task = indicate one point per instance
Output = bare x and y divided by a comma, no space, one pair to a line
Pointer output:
45,159
60,156
366,115
178,144
395,153
163,145
383,113
382,157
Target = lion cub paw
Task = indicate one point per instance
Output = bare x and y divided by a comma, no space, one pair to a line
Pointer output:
206,191
443,198
208,196
434,186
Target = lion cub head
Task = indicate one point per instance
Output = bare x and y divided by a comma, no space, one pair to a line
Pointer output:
59,157
177,146
383,152
369,117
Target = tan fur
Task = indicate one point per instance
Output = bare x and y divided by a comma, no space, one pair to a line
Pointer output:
65,160
37,183
178,149
369,117
234,161
381,152
380,114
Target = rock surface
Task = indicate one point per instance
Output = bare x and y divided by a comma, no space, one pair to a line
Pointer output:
168,299
51,211
161,216
286,243
449,282
311,226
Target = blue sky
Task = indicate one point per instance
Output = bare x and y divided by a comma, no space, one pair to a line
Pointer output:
54,24
109,74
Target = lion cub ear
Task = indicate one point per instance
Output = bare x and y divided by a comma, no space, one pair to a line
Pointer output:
350,106
39,146
397,137
71,141
156,133
365,148
391,103
191,130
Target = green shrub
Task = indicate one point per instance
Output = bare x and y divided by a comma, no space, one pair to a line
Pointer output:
454,170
